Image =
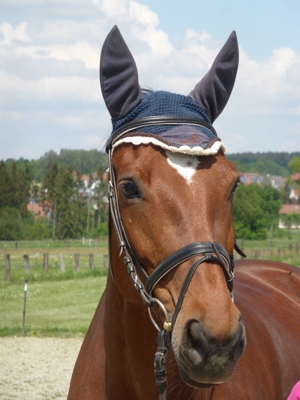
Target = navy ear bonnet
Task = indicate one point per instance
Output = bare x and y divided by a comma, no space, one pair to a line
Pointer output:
127,103
170,104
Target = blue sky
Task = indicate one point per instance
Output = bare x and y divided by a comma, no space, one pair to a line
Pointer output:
49,56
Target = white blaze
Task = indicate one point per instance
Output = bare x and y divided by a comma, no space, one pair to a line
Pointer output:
184,164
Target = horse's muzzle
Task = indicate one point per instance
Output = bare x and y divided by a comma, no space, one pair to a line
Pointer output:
203,360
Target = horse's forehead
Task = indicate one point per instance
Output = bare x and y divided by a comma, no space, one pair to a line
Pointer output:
153,161
150,163
185,165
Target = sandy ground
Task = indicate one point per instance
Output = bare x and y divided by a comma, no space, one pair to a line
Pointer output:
36,369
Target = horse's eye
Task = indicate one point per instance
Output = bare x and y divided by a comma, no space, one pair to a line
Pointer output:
235,187
130,190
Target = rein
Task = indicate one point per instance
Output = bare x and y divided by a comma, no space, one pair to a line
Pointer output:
207,252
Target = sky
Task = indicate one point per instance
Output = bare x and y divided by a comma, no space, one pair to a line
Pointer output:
50,96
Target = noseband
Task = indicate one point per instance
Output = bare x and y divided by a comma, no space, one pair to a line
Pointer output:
206,252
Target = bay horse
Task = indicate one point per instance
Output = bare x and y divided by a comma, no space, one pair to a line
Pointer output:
170,192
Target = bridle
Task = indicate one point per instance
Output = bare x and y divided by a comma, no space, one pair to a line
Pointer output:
207,251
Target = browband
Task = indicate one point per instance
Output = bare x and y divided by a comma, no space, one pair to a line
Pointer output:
156,120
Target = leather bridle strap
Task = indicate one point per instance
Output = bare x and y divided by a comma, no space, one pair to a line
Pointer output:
156,120
199,248
208,257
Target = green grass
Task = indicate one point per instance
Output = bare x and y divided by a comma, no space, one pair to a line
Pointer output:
285,249
58,309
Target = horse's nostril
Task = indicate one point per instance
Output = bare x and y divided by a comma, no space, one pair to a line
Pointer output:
196,341
240,347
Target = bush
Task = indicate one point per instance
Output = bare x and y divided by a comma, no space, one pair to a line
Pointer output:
102,229
10,224
38,230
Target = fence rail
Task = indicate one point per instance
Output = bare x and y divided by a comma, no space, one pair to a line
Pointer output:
273,252
18,264
51,263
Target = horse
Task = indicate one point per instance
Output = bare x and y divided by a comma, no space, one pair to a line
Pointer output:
216,328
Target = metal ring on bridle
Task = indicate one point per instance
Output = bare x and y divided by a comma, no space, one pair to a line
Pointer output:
154,300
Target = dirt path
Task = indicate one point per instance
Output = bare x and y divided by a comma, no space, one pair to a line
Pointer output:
36,369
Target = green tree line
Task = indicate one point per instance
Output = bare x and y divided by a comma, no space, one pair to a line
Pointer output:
89,161
85,161
264,163
71,211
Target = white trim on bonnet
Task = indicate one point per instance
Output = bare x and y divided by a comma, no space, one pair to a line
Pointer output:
194,151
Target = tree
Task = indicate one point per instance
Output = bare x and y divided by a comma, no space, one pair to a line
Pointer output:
48,193
66,205
270,203
248,214
22,190
294,165
11,224
291,219
5,187
255,211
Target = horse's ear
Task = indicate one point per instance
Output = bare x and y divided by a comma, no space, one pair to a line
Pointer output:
213,91
118,76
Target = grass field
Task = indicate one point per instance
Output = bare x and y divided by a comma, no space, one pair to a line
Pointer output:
61,308
285,249
58,303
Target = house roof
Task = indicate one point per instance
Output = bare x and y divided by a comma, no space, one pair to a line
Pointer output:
289,208
296,177
249,177
36,209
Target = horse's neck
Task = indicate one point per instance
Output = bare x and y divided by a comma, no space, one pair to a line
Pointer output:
130,345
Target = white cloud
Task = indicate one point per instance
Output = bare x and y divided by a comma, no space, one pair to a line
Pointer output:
11,34
272,77
142,14
3,137
144,26
15,90
290,145
81,51
114,8
70,31
192,34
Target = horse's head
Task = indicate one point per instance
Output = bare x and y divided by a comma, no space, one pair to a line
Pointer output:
171,194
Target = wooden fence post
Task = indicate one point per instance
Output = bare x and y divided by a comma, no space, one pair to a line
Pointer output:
91,260
105,261
45,262
26,263
62,262
77,265
7,266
